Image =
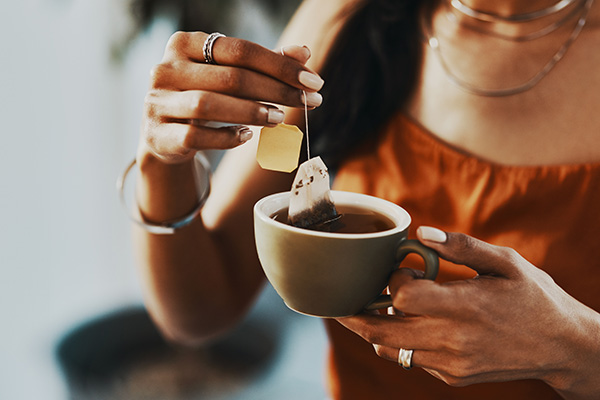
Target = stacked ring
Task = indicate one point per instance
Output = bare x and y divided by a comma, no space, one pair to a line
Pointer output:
208,47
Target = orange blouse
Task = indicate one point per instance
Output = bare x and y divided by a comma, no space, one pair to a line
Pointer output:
549,214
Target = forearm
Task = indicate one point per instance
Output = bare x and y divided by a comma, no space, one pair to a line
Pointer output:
189,287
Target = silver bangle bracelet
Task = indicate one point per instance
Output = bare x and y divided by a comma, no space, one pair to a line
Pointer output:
202,174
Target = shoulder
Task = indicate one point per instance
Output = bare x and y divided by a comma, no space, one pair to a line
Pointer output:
315,25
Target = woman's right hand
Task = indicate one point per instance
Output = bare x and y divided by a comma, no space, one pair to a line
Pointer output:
186,93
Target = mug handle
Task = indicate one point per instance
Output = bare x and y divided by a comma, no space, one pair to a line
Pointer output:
432,266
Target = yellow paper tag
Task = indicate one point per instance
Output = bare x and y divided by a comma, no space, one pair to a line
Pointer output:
279,148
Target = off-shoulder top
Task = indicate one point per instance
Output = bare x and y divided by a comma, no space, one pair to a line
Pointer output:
549,214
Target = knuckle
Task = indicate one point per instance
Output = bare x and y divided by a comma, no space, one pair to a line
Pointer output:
512,257
241,49
372,335
159,75
465,242
189,137
151,139
178,41
401,299
456,343
232,79
150,104
201,104
291,95
509,254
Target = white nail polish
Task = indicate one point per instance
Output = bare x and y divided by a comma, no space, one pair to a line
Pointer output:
310,80
275,116
245,135
284,49
312,99
432,234
307,50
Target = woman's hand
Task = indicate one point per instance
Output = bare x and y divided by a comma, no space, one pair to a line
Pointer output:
510,322
186,93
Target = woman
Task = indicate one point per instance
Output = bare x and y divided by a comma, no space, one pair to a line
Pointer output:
472,130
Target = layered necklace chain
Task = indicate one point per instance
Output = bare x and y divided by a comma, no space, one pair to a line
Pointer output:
434,42
545,30
490,17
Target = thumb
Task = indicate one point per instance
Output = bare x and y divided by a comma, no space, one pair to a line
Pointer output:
484,258
298,53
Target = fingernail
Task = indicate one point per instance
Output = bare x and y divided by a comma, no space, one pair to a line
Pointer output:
308,52
310,80
286,49
245,134
275,116
432,234
312,99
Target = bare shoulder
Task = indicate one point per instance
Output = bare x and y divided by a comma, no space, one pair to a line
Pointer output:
315,25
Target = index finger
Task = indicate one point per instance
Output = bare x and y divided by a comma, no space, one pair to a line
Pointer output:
242,53
422,296
411,332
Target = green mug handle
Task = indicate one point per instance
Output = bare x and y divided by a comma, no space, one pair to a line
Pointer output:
432,266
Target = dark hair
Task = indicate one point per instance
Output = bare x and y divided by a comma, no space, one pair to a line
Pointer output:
369,74
370,71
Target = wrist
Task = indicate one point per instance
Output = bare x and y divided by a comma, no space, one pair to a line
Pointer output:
145,154
578,379
165,192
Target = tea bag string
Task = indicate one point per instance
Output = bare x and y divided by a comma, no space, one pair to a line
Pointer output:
305,115
306,125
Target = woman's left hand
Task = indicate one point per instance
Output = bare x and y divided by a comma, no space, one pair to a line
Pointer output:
510,322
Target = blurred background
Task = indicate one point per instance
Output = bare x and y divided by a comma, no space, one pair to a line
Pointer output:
73,77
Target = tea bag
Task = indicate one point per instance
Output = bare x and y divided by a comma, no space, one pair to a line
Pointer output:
279,148
310,201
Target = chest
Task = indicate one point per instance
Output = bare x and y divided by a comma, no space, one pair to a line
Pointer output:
555,122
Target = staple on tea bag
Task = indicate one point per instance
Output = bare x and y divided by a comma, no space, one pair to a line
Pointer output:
310,201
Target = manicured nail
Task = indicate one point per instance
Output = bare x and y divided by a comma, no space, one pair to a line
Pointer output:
245,134
312,99
275,116
432,234
308,52
285,50
310,80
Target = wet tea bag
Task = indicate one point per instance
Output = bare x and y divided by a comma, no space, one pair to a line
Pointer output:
310,201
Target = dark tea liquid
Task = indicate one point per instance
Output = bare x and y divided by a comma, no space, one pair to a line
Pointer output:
352,219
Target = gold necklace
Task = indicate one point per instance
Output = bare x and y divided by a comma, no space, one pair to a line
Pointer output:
434,44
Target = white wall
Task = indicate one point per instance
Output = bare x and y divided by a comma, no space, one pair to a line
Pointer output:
69,124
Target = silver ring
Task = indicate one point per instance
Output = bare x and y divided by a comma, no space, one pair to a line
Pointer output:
208,47
405,358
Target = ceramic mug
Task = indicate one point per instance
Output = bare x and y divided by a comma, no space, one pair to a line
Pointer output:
329,274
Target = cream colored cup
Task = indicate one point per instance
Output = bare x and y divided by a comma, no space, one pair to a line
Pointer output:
334,274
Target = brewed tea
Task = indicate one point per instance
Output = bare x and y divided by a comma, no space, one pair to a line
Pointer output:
351,219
